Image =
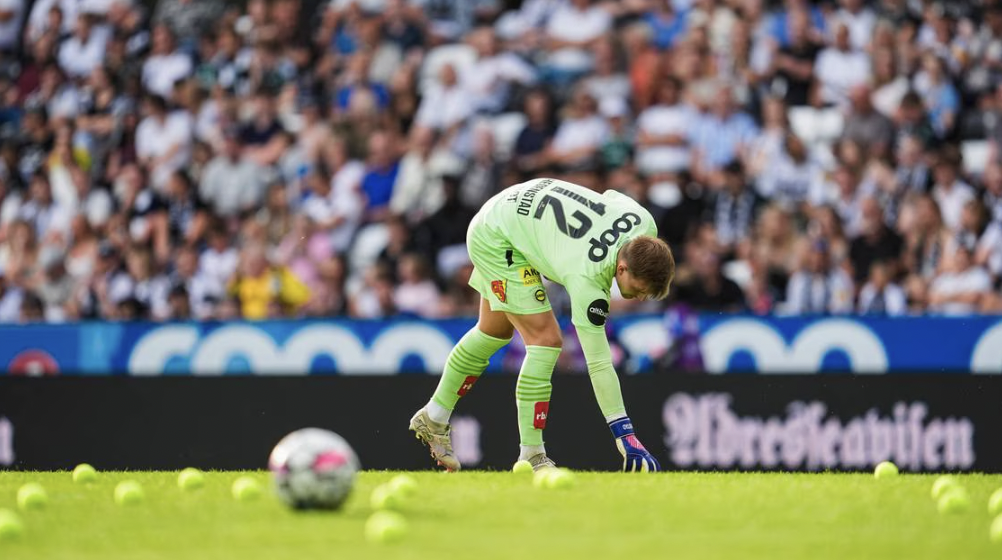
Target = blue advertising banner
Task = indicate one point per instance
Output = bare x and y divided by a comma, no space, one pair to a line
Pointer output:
716,344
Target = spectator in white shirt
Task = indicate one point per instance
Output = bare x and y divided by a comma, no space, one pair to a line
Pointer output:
416,293
859,20
218,261
960,289
417,191
231,183
163,141
950,192
663,131
819,287
489,79
11,14
580,135
446,105
840,67
50,220
881,296
570,32
165,65
83,51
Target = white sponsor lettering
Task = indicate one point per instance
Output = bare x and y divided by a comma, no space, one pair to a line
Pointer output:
466,440
703,431
6,441
214,354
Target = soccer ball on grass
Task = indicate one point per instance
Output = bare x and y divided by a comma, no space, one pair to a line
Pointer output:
313,469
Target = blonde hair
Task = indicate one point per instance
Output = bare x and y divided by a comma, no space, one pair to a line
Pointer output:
650,260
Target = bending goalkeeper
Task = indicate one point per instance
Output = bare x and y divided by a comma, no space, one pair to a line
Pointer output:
577,238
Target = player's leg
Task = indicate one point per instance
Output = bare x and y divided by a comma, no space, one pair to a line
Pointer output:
465,364
468,360
543,341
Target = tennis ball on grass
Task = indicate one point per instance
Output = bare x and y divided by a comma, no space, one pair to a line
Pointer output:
955,500
246,489
995,531
995,503
522,467
385,497
405,485
129,493
560,479
32,496
190,479
541,478
942,484
385,527
10,525
84,474
885,469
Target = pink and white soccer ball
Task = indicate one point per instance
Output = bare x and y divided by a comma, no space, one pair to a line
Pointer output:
313,469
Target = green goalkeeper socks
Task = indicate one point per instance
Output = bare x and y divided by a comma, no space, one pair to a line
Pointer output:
532,392
465,364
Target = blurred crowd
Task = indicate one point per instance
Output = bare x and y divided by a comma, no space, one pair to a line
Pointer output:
202,159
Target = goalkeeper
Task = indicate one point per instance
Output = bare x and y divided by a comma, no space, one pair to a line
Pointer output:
577,238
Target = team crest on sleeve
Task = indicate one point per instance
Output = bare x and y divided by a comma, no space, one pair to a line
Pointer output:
598,312
499,287
540,295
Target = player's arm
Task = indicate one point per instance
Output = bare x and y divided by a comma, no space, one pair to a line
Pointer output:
590,309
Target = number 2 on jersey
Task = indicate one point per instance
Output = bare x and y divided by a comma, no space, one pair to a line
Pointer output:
574,232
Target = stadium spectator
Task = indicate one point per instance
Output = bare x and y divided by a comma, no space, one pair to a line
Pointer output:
840,67
265,290
199,130
962,286
819,287
880,296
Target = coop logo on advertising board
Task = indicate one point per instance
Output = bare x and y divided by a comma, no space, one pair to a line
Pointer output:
703,431
214,353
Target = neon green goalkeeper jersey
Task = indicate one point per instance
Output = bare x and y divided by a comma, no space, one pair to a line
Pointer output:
571,235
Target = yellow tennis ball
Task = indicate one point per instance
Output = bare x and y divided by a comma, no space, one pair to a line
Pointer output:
995,503
190,479
522,467
942,484
885,469
32,496
385,527
405,485
995,531
10,525
84,474
384,497
955,500
541,477
129,493
246,489
561,479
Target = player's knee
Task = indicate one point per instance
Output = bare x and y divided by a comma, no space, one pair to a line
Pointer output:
551,338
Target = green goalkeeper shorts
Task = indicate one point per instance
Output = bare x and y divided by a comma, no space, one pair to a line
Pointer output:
502,275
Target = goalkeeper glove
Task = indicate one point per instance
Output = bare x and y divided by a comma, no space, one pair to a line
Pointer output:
635,457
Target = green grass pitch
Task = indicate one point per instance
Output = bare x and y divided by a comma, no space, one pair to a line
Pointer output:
501,515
